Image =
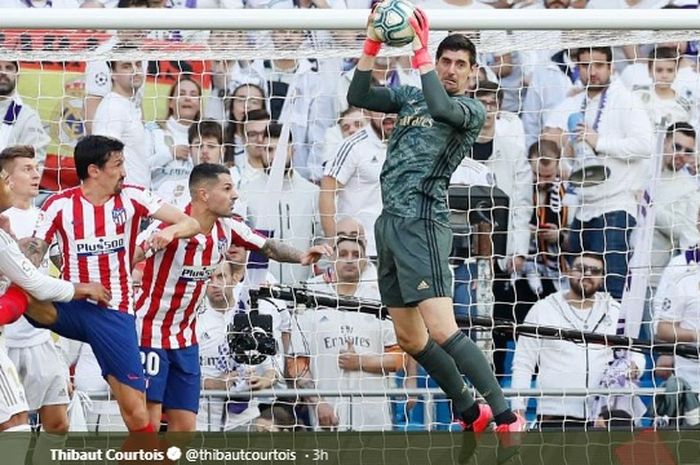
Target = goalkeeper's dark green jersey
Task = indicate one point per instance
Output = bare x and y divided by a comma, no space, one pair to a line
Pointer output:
426,146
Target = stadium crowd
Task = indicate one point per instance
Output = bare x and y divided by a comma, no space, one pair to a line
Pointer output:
565,265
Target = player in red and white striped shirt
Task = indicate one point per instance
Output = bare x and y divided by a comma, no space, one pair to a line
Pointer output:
173,287
96,226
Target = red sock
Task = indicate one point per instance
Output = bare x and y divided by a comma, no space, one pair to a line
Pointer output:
137,440
149,428
12,305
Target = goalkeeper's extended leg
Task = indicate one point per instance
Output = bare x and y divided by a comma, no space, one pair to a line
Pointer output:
438,315
413,338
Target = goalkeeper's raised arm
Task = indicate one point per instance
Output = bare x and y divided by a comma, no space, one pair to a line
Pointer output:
451,78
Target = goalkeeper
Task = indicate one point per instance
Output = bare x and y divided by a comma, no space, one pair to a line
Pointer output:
434,131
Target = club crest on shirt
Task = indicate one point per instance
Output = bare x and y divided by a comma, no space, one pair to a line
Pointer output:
119,216
222,245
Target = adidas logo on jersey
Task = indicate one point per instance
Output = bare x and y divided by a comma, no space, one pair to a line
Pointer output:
423,286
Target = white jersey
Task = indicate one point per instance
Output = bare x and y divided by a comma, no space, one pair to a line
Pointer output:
321,334
678,266
672,110
20,124
97,242
120,117
216,361
162,138
174,281
21,333
681,305
357,165
98,75
564,364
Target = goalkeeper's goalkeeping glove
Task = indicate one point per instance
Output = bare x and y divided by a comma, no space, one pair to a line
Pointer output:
419,23
372,43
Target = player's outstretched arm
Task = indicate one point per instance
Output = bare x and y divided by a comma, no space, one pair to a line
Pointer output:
181,226
440,106
284,253
361,94
21,271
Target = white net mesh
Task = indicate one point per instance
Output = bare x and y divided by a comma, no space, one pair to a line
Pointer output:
230,73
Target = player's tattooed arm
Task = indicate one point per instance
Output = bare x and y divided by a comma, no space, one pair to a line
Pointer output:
280,252
34,249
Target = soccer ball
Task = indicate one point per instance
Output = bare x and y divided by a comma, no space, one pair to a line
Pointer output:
391,22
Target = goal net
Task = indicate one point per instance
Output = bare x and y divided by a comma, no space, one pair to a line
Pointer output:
209,95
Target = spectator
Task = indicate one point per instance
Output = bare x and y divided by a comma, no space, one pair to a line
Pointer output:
565,364
226,76
244,99
219,369
119,116
255,134
687,82
677,318
168,140
350,185
98,74
620,134
205,145
663,105
501,148
350,121
677,199
549,226
307,95
335,349
678,266
550,84
21,124
295,217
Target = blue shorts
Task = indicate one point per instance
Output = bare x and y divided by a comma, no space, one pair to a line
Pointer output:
174,377
110,333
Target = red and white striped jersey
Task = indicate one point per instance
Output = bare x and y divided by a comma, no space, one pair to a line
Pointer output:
174,281
97,242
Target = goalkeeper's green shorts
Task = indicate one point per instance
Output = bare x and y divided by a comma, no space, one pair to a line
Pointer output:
412,256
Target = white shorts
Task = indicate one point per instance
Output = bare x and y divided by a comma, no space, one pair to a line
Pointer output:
44,374
12,398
